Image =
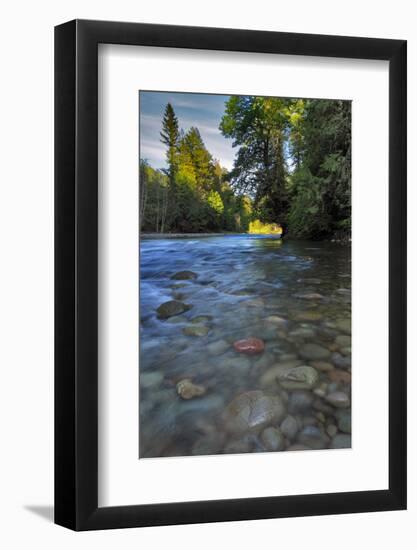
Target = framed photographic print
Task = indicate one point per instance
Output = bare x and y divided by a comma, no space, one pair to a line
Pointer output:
230,275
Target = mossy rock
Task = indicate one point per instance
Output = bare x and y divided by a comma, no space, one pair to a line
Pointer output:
184,275
171,308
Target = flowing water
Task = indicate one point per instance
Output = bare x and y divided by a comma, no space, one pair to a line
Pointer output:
289,295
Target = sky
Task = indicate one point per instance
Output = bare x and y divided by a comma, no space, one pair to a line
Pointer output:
203,111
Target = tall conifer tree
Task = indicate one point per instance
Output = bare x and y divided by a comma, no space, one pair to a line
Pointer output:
170,137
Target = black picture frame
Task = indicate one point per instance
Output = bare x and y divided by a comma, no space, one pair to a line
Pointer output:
76,272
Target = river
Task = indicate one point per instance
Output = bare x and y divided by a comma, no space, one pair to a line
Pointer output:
294,297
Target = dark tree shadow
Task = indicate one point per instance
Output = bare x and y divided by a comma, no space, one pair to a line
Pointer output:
45,512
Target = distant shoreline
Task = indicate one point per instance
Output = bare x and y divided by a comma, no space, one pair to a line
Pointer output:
185,235
154,236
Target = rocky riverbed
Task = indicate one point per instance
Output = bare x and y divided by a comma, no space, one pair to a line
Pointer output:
245,346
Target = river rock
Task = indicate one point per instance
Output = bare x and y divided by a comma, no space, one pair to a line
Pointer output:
252,411
302,332
207,404
341,441
171,308
338,399
299,378
184,275
272,375
321,406
175,320
217,348
196,330
340,376
314,352
344,325
313,437
187,390
343,341
250,346
201,319
300,402
322,366
289,427
241,363
276,320
309,421
270,333
331,430
310,316
288,357
264,361
344,421
320,392
341,362
149,379
273,439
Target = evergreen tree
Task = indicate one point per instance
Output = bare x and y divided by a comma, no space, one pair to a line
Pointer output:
170,137
197,159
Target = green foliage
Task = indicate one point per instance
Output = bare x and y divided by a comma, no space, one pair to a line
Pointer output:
215,202
258,125
153,198
320,200
294,160
193,194
306,215
292,167
259,228
194,156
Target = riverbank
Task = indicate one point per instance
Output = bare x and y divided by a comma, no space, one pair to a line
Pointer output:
184,235
204,235
337,238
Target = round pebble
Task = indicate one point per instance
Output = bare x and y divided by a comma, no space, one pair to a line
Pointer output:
338,399
273,439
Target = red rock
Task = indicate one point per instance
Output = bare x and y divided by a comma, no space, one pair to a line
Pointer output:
249,346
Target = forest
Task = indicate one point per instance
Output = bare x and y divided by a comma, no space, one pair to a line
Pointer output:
292,168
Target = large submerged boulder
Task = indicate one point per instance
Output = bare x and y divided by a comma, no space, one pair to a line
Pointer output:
252,411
